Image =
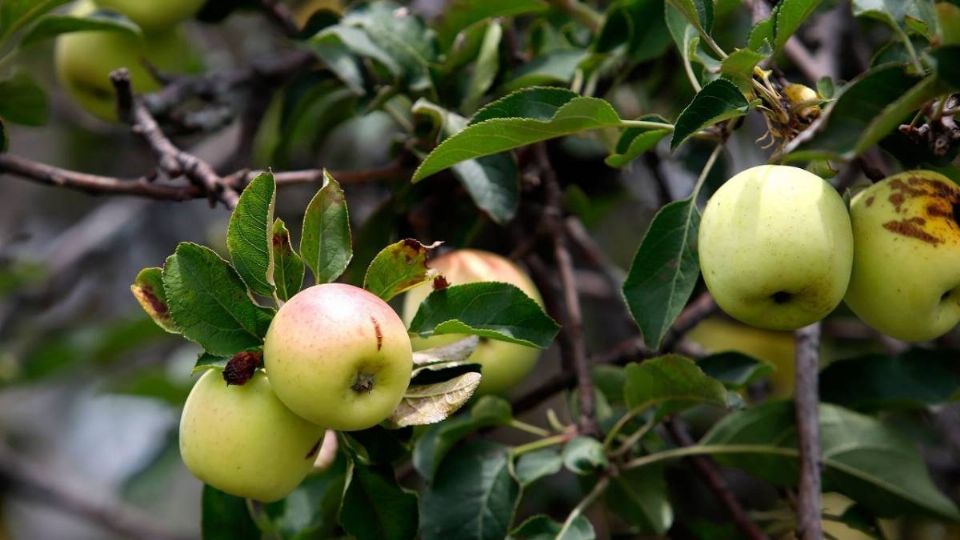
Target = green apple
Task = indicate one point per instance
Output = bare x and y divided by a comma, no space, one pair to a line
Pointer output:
242,440
504,364
154,15
84,61
776,247
338,356
906,267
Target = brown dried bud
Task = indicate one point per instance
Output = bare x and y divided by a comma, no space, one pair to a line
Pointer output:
440,283
241,367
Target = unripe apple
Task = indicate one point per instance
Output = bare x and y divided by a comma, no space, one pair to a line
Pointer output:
84,61
243,441
776,247
338,356
154,15
803,100
504,364
906,266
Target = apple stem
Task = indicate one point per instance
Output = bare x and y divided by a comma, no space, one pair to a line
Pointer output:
363,383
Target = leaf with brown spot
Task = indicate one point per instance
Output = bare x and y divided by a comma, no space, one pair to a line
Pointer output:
288,267
147,288
432,403
398,267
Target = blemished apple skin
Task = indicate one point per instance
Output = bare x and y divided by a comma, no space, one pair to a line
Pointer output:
84,61
154,15
503,364
338,356
776,247
242,440
906,266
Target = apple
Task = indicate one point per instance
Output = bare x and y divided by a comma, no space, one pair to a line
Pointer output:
906,267
154,15
776,247
338,356
804,101
503,364
84,61
243,441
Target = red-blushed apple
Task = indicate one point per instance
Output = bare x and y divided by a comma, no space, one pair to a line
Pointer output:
776,247
242,440
338,356
906,265
503,364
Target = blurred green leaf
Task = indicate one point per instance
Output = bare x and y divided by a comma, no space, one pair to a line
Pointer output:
698,12
311,511
375,507
459,14
225,517
535,465
16,14
640,496
325,242
488,309
637,24
288,267
734,369
24,102
671,381
543,528
554,67
397,268
209,303
250,235
584,455
634,142
472,496
484,69
101,20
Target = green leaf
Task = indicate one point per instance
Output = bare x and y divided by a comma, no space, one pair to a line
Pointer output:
488,309
484,69
554,67
522,118
735,370
640,496
664,270
738,67
535,465
868,108
312,509
325,242
719,100
948,64
638,24
375,507
492,181
915,379
209,303
397,268
424,404
101,20
16,14
633,143
671,381
207,361
786,18
698,12
288,267
543,528
459,14
916,15
24,102
438,439
472,497
147,288
863,459
584,455
250,235
225,517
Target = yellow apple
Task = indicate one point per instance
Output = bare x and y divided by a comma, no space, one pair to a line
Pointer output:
906,266
338,356
504,364
243,441
154,15
84,61
776,247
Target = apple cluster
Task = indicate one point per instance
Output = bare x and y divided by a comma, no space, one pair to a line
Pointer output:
335,357
780,250
85,59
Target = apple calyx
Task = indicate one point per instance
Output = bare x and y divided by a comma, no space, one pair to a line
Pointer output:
242,367
363,383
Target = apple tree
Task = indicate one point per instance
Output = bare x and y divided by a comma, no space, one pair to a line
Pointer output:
486,269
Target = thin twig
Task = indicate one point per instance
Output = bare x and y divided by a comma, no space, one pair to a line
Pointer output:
808,432
32,480
708,471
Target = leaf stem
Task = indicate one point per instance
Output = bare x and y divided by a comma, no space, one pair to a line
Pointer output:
645,124
529,428
699,450
704,173
597,490
545,442
633,439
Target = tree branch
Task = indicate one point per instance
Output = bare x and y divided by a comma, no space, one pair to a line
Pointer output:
808,432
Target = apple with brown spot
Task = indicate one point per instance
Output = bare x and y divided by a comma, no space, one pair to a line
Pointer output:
338,356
